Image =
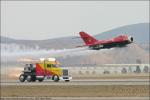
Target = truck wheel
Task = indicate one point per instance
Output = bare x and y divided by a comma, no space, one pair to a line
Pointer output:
40,80
29,78
33,78
55,78
22,78
67,80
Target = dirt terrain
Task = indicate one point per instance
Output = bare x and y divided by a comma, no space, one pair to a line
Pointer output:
76,91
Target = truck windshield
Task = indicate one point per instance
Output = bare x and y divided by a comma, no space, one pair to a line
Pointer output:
55,65
52,65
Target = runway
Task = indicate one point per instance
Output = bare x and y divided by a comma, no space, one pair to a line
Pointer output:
82,82
75,98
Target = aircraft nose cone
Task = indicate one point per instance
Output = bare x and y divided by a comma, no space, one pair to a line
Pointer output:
130,38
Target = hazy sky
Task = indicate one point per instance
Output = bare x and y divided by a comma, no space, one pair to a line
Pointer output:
51,19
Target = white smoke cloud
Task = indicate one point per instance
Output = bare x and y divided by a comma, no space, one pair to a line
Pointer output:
13,52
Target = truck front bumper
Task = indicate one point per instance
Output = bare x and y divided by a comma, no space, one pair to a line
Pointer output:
65,78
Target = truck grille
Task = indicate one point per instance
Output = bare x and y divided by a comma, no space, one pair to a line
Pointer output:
65,72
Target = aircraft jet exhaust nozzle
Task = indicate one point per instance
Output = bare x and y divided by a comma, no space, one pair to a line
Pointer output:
130,38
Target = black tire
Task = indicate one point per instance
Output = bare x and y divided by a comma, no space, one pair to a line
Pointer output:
40,80
56,78
67,80
33,78
29,78
22,78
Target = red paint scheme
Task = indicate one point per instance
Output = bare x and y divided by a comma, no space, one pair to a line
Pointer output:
39,70
43,71
117,41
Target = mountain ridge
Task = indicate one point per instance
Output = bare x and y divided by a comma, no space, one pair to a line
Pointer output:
138,50
134,30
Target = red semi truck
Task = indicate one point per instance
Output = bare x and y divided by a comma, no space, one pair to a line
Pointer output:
44,69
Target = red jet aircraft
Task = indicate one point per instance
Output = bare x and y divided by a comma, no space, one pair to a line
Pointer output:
119,41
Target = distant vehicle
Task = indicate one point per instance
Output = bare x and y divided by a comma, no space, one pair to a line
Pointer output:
119,41
44,69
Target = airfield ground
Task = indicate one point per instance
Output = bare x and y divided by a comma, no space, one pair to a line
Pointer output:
75,91
118,86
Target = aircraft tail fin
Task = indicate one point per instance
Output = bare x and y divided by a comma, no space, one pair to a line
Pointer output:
87,38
